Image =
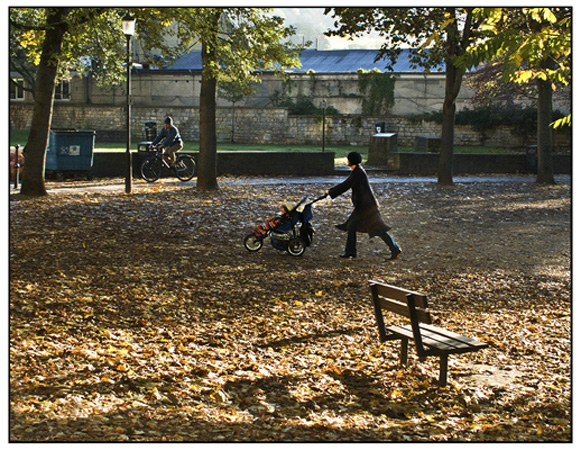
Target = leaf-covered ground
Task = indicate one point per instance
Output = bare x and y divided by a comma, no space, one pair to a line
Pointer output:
143,318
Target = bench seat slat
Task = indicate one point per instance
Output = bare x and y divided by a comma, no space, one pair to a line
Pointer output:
440,340
455,336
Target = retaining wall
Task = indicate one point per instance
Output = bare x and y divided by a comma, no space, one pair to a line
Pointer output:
427,163
112,164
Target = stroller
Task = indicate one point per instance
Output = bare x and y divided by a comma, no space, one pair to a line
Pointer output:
285,234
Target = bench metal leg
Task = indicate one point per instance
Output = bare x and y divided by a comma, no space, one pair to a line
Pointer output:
443,370
404,352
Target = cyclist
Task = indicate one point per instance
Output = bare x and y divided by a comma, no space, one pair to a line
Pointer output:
170,139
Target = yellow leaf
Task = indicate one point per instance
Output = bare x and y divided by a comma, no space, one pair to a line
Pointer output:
219,396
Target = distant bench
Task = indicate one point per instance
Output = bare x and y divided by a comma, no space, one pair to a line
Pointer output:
429,340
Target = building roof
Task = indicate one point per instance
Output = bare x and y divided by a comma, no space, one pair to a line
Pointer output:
322,61
350,61
190,61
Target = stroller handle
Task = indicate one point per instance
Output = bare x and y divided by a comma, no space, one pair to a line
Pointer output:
308,204
318,199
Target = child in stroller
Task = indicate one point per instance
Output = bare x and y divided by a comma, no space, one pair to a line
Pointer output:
271,223
282,229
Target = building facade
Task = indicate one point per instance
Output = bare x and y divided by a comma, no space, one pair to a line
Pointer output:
330,79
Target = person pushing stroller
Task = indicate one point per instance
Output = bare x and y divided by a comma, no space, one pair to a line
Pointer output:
365,217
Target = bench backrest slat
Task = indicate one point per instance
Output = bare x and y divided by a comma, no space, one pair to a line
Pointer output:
410,304
394,299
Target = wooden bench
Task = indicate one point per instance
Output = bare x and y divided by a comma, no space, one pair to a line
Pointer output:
429,340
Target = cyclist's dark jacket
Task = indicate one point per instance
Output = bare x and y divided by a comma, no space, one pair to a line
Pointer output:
170,137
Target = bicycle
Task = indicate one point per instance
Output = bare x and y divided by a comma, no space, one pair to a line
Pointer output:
184,170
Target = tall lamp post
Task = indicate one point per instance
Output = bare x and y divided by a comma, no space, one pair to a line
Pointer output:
128,25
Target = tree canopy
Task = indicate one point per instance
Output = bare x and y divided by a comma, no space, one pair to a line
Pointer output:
93,42
238,44
437,35
534,45
529,44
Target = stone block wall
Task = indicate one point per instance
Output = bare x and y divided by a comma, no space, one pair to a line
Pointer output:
267,126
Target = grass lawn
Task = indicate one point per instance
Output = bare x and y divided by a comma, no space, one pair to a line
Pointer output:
341,151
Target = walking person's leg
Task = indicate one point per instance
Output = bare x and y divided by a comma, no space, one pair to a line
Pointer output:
351,244
395,249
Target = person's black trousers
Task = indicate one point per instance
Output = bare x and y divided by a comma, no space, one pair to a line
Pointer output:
351,245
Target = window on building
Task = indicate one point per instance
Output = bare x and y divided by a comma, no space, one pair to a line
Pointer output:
17,89
62,91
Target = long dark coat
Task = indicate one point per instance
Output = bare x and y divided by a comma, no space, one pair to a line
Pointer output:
365,216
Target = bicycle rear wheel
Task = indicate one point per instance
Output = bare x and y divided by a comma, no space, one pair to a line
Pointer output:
185,167
151,169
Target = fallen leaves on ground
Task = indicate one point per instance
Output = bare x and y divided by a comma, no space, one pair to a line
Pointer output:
142,317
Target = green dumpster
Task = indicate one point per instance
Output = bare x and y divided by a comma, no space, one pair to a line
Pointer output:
70,153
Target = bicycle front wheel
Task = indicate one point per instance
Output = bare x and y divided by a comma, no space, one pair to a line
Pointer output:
185,167
151,169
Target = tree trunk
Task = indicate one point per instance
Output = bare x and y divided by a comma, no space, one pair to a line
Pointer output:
207,161
33,174
544,133
446,166
455,46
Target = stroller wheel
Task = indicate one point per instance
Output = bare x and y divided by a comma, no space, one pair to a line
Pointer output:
252,243
296,246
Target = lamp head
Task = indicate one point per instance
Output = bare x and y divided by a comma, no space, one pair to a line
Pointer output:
128,25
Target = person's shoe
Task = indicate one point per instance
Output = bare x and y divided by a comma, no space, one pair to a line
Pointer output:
345,255
395,253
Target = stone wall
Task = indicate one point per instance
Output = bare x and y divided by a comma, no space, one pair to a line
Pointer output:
267,126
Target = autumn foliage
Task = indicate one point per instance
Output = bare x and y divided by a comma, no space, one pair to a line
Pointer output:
142,317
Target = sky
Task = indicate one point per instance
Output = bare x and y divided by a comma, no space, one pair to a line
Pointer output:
311,23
